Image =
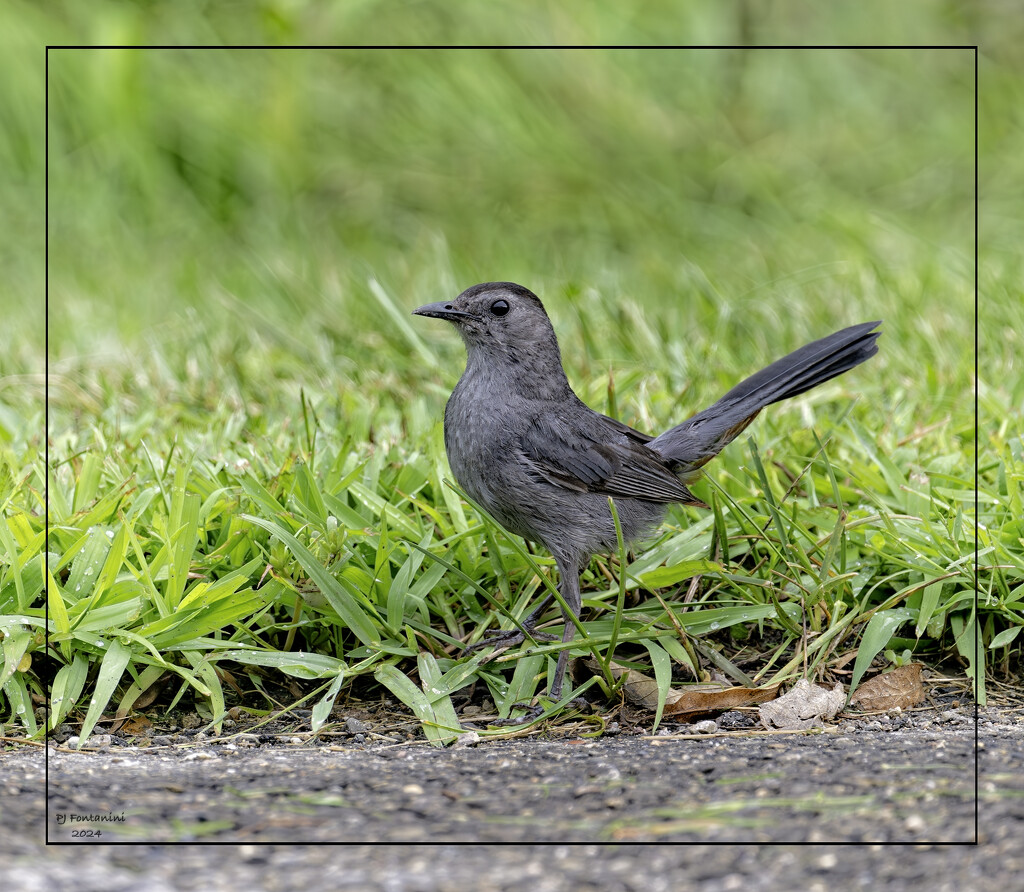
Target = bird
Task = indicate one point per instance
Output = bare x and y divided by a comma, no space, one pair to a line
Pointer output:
542,463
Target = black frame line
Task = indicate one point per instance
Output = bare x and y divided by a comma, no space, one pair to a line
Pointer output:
518,47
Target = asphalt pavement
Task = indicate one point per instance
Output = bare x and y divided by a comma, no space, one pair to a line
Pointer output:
899,802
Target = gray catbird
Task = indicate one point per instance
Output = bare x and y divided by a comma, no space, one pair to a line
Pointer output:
524,446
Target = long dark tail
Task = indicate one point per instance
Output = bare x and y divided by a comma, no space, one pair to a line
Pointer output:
700,438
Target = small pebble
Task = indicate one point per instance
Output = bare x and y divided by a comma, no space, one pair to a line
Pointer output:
914,823
354,726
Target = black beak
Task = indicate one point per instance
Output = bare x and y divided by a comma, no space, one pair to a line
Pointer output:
441,310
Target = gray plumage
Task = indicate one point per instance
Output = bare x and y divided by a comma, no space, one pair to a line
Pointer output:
523,445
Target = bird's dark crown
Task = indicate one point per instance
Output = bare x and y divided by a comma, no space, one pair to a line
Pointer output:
510,288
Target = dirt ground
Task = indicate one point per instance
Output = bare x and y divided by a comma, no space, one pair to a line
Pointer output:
898,786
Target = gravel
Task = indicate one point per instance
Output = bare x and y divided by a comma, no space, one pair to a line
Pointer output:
898,787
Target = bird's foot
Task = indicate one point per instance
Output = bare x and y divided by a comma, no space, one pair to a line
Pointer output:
531,712
534,711
509,639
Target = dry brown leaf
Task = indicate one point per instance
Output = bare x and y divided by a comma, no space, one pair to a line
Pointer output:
147,697
901,687
229,680
136,726
707,701
639,689
803,707
121,721
689,704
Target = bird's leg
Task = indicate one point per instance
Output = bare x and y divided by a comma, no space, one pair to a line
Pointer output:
512,637
569,587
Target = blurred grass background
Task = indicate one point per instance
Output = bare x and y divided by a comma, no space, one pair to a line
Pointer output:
735,196
725,191
702,184
228,228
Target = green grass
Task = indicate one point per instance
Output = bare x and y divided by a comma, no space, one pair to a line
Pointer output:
245,464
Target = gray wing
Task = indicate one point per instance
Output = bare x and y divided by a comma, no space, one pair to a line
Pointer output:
624,428
597,454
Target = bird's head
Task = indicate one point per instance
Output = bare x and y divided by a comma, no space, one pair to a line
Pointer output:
502,322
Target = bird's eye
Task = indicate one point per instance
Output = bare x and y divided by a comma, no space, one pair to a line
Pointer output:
499,308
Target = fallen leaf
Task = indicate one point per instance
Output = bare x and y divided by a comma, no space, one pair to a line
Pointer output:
638,689
229,680
135,726
803,707
688,704
901,687
708,700
147,697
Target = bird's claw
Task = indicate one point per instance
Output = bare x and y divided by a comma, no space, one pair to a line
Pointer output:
531,713
508,639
